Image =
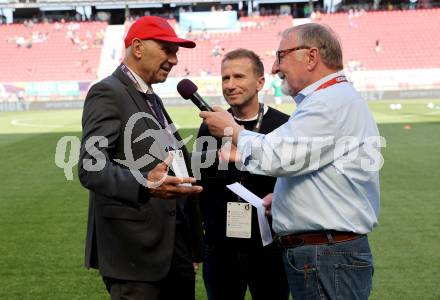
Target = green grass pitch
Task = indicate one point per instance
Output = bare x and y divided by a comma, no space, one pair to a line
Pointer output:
43,216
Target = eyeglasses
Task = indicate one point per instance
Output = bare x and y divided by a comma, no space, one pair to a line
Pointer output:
284,52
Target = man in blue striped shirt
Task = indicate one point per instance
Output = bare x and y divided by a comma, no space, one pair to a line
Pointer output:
326,159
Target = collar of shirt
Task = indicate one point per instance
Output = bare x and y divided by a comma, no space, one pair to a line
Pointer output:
145,88
265,109
308,90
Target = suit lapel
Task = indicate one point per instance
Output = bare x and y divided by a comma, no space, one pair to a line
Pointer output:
139,101
142,105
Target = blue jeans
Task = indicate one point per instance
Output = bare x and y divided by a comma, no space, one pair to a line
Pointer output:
331,271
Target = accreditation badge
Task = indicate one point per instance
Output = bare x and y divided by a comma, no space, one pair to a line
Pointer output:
179,166
238,220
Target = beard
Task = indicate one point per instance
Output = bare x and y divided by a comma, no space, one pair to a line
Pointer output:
286,89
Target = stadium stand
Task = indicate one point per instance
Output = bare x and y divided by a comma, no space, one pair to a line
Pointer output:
88,2
407,39
382,40
260,34
45,52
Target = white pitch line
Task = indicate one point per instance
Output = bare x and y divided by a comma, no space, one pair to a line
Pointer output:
24,124
190,126
178,126
433,113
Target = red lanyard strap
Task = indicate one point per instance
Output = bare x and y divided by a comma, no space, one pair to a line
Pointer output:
331,82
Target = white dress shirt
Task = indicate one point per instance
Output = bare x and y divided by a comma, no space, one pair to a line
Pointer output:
141,86
327,161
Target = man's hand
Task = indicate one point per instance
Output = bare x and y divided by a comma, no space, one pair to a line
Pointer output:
218,121
195,266
267,203
162,185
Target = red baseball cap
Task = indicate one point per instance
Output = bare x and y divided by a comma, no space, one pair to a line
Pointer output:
155,28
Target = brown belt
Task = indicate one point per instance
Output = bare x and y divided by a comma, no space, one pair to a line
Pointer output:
315,238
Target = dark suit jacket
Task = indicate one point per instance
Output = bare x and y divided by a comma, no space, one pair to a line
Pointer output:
130,235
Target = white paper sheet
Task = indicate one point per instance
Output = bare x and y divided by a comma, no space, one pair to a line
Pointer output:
178,166
245,194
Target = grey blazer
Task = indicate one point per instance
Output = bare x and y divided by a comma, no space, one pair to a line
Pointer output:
129,235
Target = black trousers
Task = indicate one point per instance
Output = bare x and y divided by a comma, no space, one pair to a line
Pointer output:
178,284
228,272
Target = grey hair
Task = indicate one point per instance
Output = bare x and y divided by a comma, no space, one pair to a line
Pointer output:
321,37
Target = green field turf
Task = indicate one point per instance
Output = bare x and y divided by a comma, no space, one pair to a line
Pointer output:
43,216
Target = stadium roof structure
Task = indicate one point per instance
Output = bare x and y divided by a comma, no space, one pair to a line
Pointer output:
73,3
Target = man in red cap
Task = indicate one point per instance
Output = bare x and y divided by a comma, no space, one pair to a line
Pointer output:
143,229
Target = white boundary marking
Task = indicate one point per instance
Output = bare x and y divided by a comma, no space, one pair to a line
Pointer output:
190,126
433,113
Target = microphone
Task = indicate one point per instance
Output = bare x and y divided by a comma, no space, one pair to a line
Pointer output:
188,90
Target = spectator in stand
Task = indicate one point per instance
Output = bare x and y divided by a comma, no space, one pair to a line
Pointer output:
57,26
99,38
377,47
412,4
352,14
217,51
205,34
28,24
294,11
20,41
84,45
306,11
316,15
20,96
277,86
189,33
354,65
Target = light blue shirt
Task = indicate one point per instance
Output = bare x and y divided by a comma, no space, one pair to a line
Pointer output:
327,160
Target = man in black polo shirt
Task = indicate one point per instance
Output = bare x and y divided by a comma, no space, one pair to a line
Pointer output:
234,261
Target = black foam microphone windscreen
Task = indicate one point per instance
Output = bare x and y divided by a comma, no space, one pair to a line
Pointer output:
188,90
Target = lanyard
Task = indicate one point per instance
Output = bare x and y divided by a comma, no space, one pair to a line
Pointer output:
127,72
256,128
331,82
166,126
